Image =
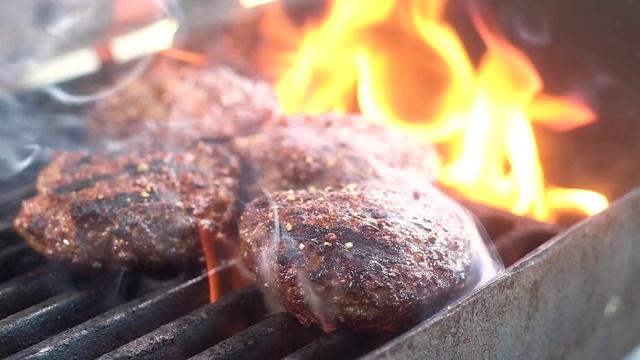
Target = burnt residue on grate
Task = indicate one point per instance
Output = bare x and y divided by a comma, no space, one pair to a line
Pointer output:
47,313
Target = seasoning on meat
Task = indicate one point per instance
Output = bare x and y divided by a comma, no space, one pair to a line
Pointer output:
216,100
330,150
361,258
134,209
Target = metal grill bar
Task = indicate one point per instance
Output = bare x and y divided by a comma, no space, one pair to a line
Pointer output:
272,338
513,236
340,346
197,330
122,324
26,290
330,346
8,238
18,259
38,322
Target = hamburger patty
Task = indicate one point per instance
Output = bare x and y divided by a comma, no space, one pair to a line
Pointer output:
330,150
216,100
134,209
357,258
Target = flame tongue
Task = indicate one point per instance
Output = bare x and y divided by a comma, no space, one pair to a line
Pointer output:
403,65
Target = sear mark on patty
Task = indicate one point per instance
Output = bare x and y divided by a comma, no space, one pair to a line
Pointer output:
84,210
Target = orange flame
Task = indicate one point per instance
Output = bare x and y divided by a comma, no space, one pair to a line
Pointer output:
403,65
224,274
210,254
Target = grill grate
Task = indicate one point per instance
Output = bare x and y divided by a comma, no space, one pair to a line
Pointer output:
197,330
276,336
117,326
45,313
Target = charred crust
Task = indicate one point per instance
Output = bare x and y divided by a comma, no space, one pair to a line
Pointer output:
37,226
372,259
83,160
81,184
138,209
106,207
375,213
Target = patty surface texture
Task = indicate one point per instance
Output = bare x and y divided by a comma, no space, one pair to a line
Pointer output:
358,258
133,209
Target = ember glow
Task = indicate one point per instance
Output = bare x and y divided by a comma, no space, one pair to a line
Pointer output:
403,65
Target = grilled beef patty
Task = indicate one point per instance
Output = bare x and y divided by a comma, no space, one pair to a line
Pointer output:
134,209
357,258
216,100
331,150
366,256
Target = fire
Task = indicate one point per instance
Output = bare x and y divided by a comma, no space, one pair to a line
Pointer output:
224,273
210,254
402,64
